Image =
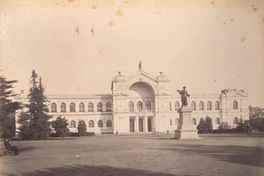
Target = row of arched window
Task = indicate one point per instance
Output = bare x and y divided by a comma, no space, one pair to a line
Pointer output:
194,121
131,106
147,106
100,123
217,121
72,108
209,105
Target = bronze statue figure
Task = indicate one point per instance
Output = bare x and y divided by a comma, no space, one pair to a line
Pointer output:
184,94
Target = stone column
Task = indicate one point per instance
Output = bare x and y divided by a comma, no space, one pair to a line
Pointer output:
186,129
146,124
136,124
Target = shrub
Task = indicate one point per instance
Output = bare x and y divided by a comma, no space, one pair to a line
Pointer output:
60,126
81,128
205,126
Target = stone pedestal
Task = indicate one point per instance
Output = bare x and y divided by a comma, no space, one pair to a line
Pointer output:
186,129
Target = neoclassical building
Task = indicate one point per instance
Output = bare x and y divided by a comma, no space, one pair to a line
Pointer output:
142,103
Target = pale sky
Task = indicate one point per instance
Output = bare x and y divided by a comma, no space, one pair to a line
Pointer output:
78,46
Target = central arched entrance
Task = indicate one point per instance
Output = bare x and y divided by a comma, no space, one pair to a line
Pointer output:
141,107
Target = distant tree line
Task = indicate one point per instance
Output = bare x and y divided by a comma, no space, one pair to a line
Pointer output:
255,122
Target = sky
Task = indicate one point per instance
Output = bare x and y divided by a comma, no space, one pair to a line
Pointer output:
78,46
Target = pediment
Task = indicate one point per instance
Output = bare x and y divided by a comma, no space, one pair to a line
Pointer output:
142,76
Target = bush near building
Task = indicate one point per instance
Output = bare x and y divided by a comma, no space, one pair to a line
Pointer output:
205,125
82,128
60,126
256,117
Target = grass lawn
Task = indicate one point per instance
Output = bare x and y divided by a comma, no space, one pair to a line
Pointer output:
143,155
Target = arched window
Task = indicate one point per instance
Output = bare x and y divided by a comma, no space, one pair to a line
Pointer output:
100,123
91,123
148,106
53,107
235,120
170,106
108,106
139,106
63,107
72,107
131,106
108,123
73,124
100,107
235,105
194,121
81,107
209,105
217,121
170,122
177,105
193,105
217,105
90,107
201,105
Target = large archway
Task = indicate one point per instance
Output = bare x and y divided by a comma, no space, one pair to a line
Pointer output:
141,89
141,107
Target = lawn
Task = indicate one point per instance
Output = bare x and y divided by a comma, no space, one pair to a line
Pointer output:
143,155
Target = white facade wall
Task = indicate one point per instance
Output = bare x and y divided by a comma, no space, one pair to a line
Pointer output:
163,115
89,117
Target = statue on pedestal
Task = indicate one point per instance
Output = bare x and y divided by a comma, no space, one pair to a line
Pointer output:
186,129
184,94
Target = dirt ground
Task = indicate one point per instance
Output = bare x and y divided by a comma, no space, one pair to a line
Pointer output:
142,155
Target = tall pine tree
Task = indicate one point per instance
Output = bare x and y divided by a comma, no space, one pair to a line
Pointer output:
35,122
8,108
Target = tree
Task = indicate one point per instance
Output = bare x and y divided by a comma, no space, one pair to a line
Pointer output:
256,117
25,130
256,112
208,124
244,126
205,126
35,122
81,128
8,108
60,126
201,126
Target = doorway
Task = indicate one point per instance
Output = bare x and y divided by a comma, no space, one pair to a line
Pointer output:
132,125
140,124
149,124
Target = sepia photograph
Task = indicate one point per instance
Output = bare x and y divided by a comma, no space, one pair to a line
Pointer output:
131,87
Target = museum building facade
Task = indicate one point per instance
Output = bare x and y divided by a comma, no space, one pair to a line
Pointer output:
142,103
